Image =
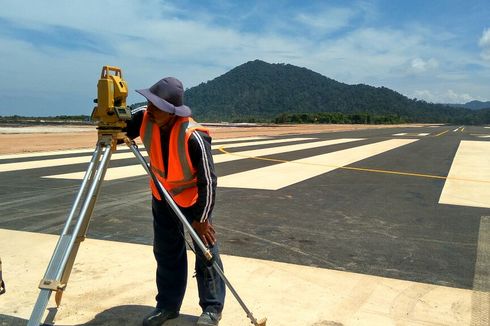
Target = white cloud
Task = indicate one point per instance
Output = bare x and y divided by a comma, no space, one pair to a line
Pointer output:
425,95
418,65
448,96
326,21
364,54
484,43
453,97
485,38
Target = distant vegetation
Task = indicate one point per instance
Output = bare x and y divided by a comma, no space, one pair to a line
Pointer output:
61,119
326,117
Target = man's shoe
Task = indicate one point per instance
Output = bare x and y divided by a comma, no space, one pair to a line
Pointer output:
209,319
159,316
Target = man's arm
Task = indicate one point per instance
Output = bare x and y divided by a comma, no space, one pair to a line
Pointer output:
133,126
202,160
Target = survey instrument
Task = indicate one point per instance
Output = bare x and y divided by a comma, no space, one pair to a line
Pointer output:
111,115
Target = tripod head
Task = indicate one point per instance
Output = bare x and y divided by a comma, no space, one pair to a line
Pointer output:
111,112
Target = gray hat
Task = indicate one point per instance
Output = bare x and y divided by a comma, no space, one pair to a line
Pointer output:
167,95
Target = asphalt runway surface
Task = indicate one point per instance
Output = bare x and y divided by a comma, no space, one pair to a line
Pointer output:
368,201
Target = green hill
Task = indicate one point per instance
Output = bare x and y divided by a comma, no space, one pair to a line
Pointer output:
259,91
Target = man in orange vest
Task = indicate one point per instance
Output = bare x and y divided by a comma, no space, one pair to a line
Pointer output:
179,152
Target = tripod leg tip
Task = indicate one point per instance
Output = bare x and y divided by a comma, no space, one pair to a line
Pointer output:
262,322
57,297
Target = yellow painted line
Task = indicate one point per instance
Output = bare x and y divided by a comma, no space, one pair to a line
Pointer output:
442,133
281,175
17,166
337,166
278,149
410,174
135,170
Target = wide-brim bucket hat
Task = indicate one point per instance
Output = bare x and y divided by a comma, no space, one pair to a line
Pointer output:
167,94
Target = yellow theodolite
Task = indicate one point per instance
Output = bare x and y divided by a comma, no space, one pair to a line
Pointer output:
111,112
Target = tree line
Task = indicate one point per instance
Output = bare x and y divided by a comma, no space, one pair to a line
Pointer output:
338,118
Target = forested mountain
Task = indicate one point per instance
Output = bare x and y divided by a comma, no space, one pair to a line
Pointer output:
473,105
259,91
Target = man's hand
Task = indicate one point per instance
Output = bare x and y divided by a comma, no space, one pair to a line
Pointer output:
206,232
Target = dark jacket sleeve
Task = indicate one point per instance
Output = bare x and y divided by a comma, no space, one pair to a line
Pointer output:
133,126
202,160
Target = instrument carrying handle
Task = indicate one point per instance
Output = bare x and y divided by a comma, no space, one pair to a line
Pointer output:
105,71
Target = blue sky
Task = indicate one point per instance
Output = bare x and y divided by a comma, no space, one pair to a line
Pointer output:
51,52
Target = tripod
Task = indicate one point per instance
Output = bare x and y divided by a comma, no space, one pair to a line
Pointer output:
74,232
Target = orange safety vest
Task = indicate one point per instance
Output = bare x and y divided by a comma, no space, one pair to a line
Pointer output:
181,180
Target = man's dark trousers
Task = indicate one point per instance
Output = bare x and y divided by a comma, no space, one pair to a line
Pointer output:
171,256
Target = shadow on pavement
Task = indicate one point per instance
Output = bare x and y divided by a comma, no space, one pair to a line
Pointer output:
121,315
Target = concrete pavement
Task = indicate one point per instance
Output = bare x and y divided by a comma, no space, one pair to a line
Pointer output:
112,283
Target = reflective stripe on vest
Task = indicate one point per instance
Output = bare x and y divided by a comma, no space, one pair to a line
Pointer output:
180,180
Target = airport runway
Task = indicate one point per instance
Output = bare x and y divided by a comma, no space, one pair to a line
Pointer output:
409,204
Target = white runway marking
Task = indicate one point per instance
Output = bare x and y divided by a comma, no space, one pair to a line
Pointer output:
116,173
284,174
50,153
227,140
412,134
468,182
85,151
17,166
137,169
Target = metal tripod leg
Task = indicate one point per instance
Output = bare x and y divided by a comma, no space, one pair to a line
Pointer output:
61,263
190,229
2,283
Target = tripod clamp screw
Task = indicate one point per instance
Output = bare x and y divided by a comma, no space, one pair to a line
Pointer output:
52,285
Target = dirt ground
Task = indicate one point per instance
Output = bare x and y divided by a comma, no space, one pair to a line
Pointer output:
48,138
